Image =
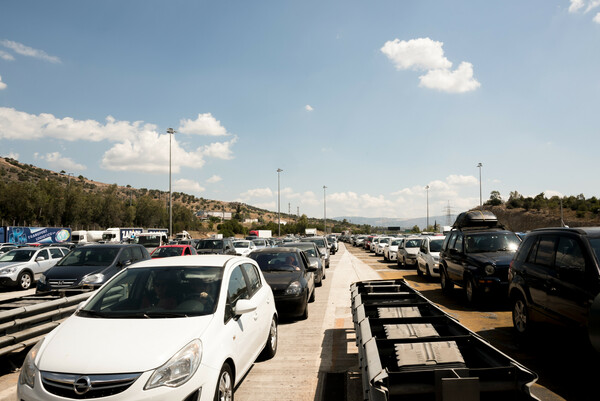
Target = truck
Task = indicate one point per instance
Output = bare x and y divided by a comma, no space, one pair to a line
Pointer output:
26,235
152,238
85,236
261,233
120,234
310,232
183,235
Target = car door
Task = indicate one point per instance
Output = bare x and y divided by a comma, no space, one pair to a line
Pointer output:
538,263
241,328
308,276
568,291
455,258
262,315
40,266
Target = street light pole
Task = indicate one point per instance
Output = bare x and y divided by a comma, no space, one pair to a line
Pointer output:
480,197
324,211
171,132
427,188
278,204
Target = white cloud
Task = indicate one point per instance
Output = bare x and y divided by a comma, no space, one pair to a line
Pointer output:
188,186
56,161
2,84
205,124
12,155
214,179
597,18
418,54
23,50
576,5
308,107
550,193
138,146
424,54
458,81
462,180
587,5
219,150
257,193
6,56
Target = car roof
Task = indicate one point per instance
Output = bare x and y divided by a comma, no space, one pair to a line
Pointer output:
175,246
277,250
189,260
589,231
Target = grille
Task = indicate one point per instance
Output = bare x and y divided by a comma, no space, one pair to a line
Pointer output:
81,387
62,283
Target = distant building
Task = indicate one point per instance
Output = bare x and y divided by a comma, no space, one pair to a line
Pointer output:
251,221
205,215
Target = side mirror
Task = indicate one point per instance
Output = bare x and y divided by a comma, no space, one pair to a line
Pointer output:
313,266
40,259
244,306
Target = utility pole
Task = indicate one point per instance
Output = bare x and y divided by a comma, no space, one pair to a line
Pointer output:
324,211
278,204
480,197
171,132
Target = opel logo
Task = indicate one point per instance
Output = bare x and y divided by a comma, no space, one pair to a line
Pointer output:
82,385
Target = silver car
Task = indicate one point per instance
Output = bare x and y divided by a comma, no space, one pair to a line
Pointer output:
21,266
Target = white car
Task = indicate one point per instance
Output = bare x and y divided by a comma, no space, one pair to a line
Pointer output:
178,328
381,244
407,251
390,253
243,247
22,266
428,258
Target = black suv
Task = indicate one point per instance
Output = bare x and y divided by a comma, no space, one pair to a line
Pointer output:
555,277
476,255
90,266
219,246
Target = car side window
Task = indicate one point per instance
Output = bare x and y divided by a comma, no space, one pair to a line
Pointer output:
545,251
423,247
137,254
56,253
237,288
452,240
44,254
125,255
458,245
569,254
253,277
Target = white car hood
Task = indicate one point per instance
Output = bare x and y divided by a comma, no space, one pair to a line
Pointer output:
9,264
97,346
412,251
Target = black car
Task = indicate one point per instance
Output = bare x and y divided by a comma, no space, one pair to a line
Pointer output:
313,254
291,277
90,266
215,246
555,277
476,255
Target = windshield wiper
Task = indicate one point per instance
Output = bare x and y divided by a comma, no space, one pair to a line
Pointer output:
91,313
151,314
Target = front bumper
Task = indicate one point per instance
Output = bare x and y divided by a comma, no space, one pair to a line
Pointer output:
291,305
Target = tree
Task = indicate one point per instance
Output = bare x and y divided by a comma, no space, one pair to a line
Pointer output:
495,199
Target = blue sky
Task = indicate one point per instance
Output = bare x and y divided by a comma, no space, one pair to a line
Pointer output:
374,99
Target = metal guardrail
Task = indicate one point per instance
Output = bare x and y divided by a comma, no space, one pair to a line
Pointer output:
24,321
410,349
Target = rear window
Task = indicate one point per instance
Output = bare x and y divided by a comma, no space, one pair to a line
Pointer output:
90,257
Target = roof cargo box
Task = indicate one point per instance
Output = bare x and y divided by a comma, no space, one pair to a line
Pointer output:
476,218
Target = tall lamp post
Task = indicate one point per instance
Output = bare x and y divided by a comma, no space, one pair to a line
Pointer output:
480,197
171,132
324,211
427,188
278,204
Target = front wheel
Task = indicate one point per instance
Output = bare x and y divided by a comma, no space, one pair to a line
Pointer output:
471,291
24,280
520,316
271,346
447,285
224,390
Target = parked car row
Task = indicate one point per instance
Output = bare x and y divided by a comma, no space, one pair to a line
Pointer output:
549,275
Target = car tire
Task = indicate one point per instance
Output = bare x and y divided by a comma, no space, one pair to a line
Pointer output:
445,282
224,390
272,340
471,291
24,280
419,272
400,262
428,272
520,316
312,296
320,282
304,315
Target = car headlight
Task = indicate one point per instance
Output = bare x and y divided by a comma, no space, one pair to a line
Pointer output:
42,279
93,279
489,270
294,288
8,270
179,369
29,370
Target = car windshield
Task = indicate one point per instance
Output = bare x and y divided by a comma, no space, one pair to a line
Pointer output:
17,255
277,261
167,251
595,243
384,241
241,244
412,243
148,240
210,244
396,242
157,292
260,242
435,245
320,242
309,248
90,257
491,242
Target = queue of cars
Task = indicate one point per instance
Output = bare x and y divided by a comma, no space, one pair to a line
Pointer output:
549,275
219,312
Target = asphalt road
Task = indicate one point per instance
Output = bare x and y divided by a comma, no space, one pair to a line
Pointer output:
317,358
